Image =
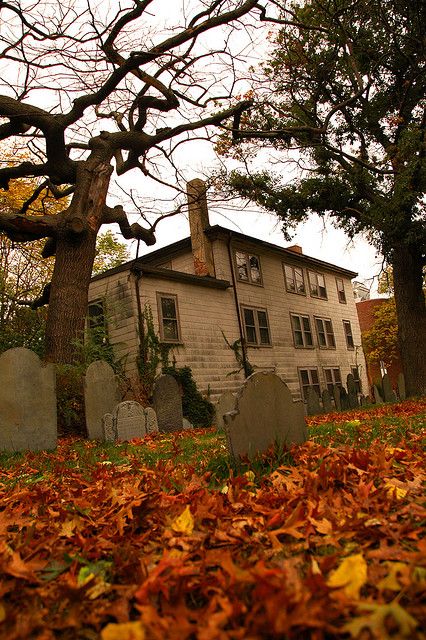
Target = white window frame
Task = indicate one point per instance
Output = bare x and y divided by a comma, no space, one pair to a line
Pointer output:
257,327
160,296
329,337
293,278
302,331
313,279
247,255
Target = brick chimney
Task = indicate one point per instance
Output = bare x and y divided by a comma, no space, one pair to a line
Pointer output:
296,248
199,221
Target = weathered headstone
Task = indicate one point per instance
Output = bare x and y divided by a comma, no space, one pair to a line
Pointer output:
326,401
388,394
352,392
344,399
186,424
336,398
28,418
401,387
313,406
130,422
151,420
264,413
109,431
225,403
377,397
101,395
168,403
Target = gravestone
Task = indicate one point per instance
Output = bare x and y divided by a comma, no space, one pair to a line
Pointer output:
28,418
225,403
401,387
101,395
363,401
151,420
336,398
377,396
388,394
168,403
344,399
186,424
109,431
129,419
352,392
313,406
264,413
326,401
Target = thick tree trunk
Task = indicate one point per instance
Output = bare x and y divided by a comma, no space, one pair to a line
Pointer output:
411,312
75,253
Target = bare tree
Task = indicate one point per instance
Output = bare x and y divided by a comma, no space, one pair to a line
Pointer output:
91,88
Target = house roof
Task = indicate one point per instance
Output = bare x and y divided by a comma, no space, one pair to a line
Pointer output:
218,232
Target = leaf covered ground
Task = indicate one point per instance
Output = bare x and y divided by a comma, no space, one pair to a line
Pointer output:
164,538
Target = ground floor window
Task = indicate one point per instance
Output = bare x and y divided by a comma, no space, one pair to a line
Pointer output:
96,322
168,317
256,326
332,378
357,379
309,378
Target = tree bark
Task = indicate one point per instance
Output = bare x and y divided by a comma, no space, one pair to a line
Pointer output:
407,264
75,253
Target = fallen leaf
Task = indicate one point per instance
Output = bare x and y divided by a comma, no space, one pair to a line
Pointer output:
381,622
351,575
184,523
123,631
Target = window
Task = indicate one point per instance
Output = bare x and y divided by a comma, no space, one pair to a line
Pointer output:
341,290
357,379
168,317
302,333
309,378
348,334
248,267
294,280
256,326
317,285
332,378
96,322
325,333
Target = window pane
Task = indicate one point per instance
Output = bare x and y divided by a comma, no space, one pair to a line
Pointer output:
298,339
296,323
314,376
300,283
328,375
249,317
337,378
168,308
170,330
304,376
251,335
306,324
242,269
255,270
264,336
262,319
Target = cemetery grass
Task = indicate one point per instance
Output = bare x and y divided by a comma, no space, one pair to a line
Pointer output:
165,537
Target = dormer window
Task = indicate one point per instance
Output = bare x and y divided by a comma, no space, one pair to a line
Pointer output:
248,267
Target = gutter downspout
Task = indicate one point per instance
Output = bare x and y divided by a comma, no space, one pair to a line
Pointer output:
237,307
141,328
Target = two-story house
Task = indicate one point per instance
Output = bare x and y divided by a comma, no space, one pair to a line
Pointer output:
295,314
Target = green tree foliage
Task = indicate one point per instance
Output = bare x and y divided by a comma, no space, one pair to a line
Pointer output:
380,343
110,253
343,95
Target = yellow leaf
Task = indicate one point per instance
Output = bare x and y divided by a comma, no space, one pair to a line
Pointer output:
123,631
393,490
351,575
2,613
391,581
184,523
377,622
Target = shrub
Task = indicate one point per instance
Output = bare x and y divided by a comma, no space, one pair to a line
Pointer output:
198,410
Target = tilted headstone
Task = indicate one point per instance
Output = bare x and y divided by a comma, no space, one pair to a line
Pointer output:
264,413
101,395
326,401
377,397
336,398
313,406
129,419
186,424
225,403
352,392
168,403
388,394
151,420
344,399
109,430
28,417
401,387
